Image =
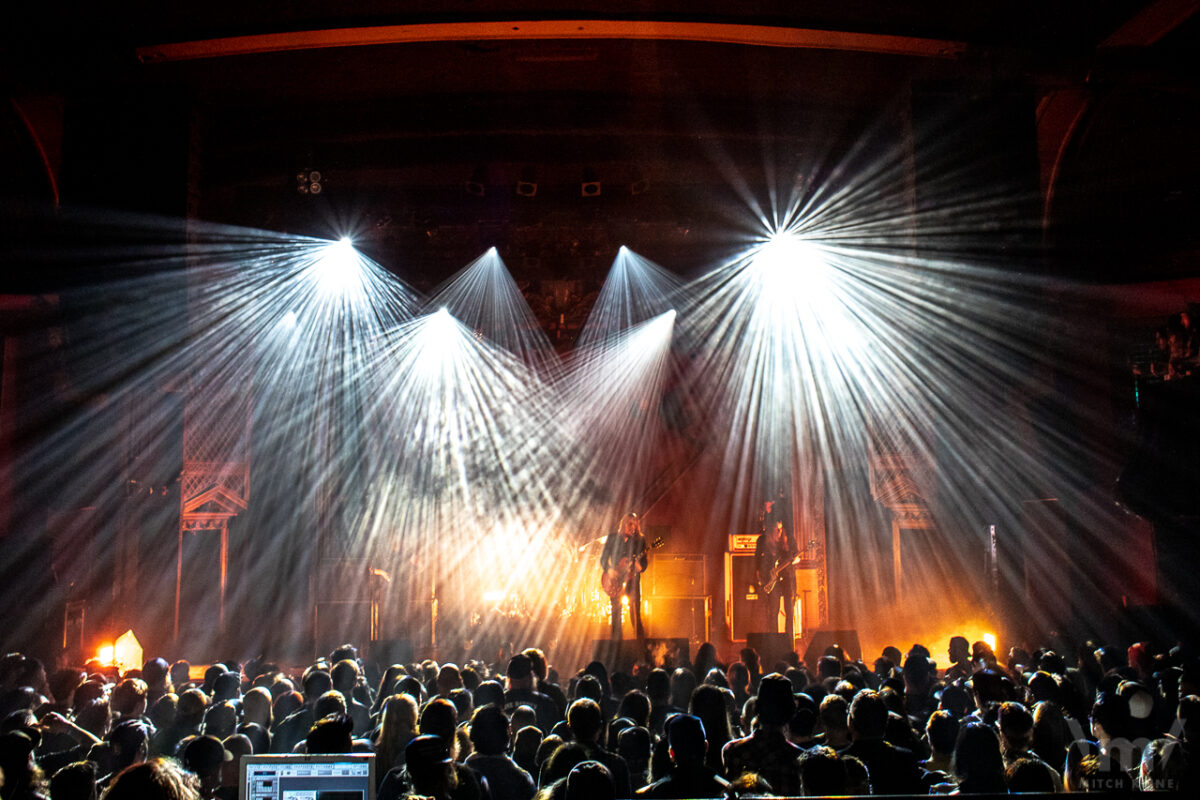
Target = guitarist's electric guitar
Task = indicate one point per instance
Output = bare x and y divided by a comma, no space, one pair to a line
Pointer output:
769,586
615,580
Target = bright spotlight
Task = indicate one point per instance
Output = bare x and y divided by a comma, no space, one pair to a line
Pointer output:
786,263
338,268
990,640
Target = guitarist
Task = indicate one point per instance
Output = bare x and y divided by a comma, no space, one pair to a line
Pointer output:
773,558
624,554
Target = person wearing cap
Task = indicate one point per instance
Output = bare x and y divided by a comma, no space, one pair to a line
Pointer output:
767,750
687,744
521,692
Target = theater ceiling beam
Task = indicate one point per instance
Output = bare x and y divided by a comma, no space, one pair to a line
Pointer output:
714,32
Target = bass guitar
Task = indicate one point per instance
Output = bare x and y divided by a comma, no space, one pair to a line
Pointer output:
769,586
615,580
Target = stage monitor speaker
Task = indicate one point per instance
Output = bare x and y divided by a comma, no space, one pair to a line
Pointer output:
341,622
678,617
846,638
624,654
677,575
771,647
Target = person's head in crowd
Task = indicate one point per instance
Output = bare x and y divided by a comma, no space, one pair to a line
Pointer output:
75,781
686,741
1016,727
156,673
210,678
978,764
546,748
256,706
519,672
63,683
1110,718
281,684
525,744
285,705
1164,766
858,782
918,673
94,717
822,773
564,758
658,686
226,686
941,732
709,704
316,682
1188,715
129,698
489,731
982,655
523,715
237,745
220,719
834,713
868,716
344,652
633,745
600,672
489,692
88,691
683,682
635,706
1077,751
440,718
258,736
205,757
162,713
989,687
1141,709
585,719
716,677
590,780
537,660
955,699
589,686
430,767
330,734
22,777
130,743
156,779
1044,686
331,702
189,711
959,650
462,701
775,704
344,677
1030,775
738,678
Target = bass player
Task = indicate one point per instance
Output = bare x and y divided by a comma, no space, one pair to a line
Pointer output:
774,556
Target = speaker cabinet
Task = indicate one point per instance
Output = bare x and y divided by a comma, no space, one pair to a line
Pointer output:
684,618
676,575
771,647
743,609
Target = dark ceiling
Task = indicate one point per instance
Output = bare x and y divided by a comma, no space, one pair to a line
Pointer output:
421,140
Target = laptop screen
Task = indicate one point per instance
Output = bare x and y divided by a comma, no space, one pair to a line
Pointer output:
347,776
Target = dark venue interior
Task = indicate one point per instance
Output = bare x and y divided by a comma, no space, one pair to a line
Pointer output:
369,322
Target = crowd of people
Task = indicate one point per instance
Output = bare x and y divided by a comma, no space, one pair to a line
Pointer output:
1102,719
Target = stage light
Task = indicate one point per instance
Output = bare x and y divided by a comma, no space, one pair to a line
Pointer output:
590,185
990,640
338,268
787,263
105,655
